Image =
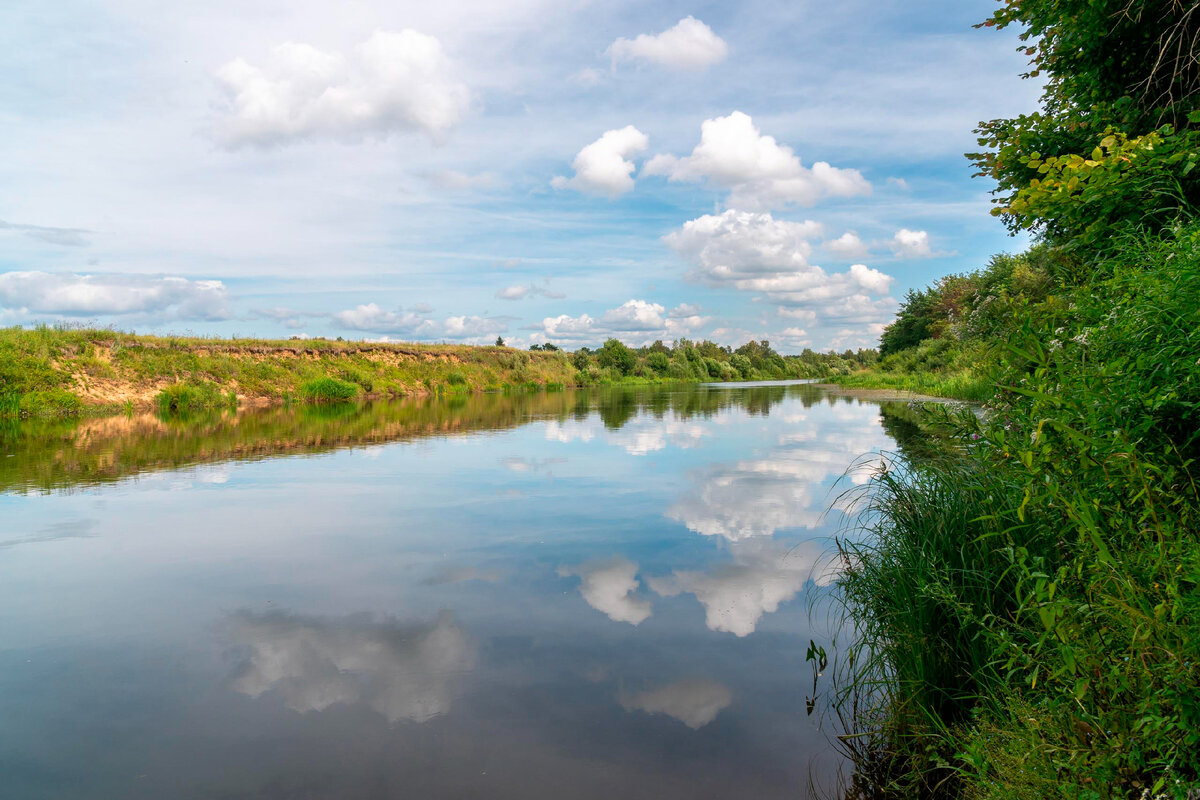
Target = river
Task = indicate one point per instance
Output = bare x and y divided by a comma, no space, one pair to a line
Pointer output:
580,594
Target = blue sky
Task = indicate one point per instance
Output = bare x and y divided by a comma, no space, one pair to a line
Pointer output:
562,171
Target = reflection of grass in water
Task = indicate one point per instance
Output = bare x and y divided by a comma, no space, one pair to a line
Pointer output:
319,412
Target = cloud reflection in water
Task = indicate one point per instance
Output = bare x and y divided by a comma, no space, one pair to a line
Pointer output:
695,702
611,587
763,576
403,673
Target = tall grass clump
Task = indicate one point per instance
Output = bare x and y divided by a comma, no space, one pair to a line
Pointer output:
190,397
328,390
1029,612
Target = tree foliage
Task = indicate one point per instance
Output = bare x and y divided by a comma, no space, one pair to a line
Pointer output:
1114,146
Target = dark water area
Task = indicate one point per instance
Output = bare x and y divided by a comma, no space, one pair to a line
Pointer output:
579,594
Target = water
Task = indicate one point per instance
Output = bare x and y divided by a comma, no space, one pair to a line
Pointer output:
567,595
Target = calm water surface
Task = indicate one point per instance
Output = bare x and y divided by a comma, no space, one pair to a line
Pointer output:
569,595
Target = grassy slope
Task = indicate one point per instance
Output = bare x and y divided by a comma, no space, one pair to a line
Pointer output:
49,370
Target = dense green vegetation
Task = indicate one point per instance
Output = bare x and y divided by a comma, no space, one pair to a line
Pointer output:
949,338
53,370
1027,605
685,360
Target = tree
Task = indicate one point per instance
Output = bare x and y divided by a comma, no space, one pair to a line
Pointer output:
499,341
742,364
616,355
913,324
1116,143
658,361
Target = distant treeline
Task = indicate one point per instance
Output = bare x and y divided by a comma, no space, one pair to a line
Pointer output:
685,360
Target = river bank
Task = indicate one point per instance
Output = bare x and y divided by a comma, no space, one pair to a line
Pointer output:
60,371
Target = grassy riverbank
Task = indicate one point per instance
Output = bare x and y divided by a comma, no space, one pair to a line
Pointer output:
964,385
1029,604
55,370
1026,604
48,371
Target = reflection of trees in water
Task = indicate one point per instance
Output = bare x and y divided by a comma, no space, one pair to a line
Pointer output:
66,453
911,429
618,407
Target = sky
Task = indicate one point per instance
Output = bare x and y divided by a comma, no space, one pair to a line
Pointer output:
562,171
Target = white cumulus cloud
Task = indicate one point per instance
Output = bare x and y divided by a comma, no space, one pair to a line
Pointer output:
688,45
602,167
758,171
911,244
519,292
637,321
741,244
752,251
371,317
392,82
848,245
104,295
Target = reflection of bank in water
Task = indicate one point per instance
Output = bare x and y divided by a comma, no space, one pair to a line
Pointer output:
56,454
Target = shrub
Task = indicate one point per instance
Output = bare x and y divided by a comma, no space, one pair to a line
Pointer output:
680,370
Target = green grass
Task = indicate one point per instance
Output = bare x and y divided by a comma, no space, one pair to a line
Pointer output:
190,397
1028,607
328,390
48,402
966,385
